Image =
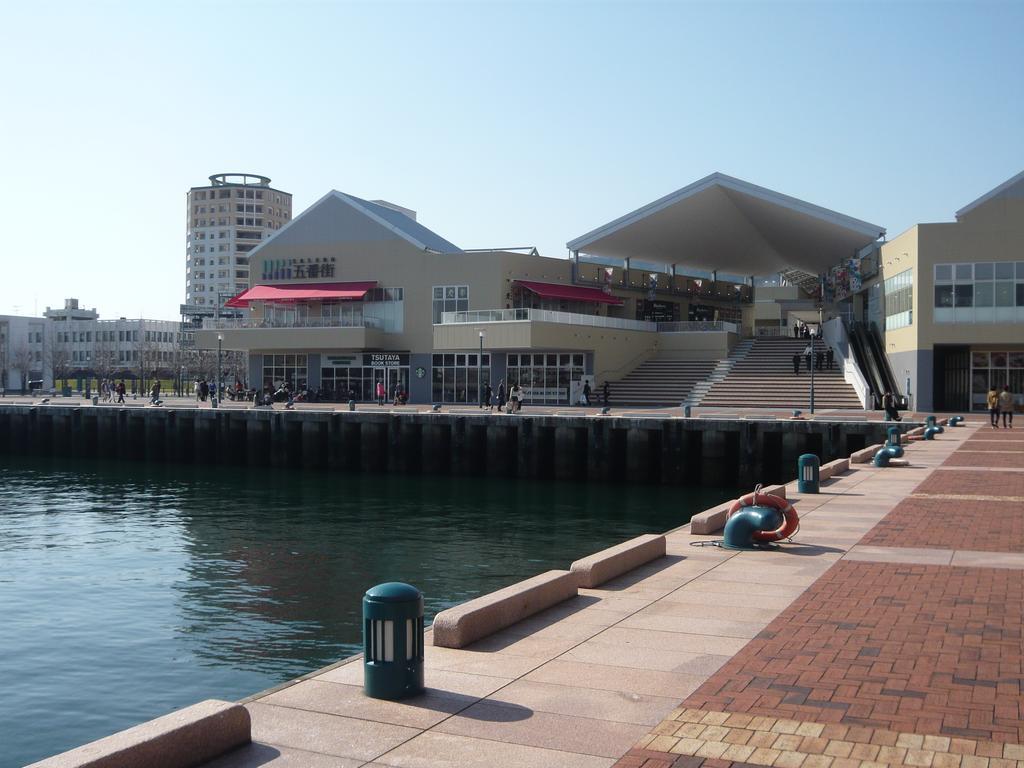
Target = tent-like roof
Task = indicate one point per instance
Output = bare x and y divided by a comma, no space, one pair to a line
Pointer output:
1010,188
569,292
726,224
301,292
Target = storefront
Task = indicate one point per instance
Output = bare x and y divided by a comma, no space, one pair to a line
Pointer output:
545,377
994,370
454,377
355,375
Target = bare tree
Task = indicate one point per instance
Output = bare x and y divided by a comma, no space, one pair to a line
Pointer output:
21,361
59,360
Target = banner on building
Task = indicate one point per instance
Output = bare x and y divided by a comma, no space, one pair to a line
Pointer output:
652,286
853,272
608,272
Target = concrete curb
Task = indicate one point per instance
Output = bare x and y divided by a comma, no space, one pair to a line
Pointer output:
459,626
608,563
713,520
188,737
865,455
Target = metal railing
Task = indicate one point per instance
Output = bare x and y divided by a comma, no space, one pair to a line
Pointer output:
313,322
698,326
544,316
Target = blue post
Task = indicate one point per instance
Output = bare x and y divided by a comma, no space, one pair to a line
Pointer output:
929,421
741,527
808,473
930,432
392,641
686,411
894,436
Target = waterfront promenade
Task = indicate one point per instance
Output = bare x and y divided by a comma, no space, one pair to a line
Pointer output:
889,634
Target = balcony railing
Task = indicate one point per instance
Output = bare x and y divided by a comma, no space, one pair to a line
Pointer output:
544,316
698,326
214,324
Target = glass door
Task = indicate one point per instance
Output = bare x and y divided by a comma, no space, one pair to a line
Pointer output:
397,377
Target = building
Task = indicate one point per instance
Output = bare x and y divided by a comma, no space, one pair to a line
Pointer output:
24,353
951,298
82,347
353,292
225,221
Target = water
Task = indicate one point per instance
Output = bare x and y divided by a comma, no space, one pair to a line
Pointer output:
127,591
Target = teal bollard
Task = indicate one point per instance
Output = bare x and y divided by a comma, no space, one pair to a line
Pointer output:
741,527
687,410
894,436
930,433
882,458
929,421
392,641
956,421
894,451
808,473
351,405
796,413
939,429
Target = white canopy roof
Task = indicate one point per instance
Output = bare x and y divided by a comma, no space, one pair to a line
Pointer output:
726,224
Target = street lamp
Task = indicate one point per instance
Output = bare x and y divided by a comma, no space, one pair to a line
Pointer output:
220,340
814,359
480,373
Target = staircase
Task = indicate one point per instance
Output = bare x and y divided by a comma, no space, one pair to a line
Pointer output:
660,381
764,378
720,372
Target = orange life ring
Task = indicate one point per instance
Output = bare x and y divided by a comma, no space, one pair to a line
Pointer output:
790,519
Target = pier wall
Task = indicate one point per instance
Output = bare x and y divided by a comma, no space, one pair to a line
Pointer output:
667,450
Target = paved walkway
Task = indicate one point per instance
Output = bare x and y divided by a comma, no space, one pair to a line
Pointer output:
847,642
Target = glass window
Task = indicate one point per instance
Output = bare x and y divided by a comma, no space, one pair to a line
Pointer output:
984,294
1004,294
1004,270
1020,270
1020,294
964,295
963,271
943,295
983,271
943,272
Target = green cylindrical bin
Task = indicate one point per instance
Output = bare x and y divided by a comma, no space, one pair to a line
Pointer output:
894,436
808,473
687,411
929,421
392,641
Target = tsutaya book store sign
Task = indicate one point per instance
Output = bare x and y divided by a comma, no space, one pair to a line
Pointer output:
298,269
368,360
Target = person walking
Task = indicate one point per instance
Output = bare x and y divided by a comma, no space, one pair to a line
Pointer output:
154,394
830,357
796,364
381,393
501,395
1006,406
120,391
889,404
485,398
513,398
807,356
993,406
586,393
605,395
796,330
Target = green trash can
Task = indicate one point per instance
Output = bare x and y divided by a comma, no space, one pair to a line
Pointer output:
808,473
894,436
392,641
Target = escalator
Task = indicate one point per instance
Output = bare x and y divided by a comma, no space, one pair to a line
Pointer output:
861,357
888,379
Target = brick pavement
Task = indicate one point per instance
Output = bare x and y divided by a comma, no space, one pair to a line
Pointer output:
1014,460
882,663
982,525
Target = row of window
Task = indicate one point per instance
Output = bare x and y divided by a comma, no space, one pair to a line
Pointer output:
251,194
449,298
983,270
74,337
1000,293
899,300
240,221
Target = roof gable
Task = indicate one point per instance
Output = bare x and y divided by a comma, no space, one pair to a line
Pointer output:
1010,188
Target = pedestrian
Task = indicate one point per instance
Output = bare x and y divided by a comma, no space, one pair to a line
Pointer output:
513,398
485,398
605,395
807,355
889,404
1006,406
204,390
993,406
120,391
796,364
154,395
819,360
501,395
586,393
381,393
796,330
830,357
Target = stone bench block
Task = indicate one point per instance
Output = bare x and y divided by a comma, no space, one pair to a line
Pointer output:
188,737
864,455
837,467
459,626
713,520
615,561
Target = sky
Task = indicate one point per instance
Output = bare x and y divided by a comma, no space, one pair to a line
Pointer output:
501,124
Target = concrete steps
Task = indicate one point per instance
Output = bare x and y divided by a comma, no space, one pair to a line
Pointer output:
764,378
660,381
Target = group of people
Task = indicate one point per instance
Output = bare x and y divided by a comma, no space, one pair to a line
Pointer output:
110,390
821,359
398,395
1000,402
802,331
510,401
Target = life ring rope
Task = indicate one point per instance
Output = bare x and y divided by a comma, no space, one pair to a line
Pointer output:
790,518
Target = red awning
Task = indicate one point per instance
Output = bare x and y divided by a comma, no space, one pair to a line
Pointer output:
301,292
569,292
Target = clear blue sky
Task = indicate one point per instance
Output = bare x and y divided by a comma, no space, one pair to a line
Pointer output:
501,124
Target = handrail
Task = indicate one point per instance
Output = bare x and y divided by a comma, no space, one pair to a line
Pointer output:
524,314
698,326
316,322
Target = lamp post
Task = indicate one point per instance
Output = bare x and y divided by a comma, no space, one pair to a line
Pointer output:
814,359
480,372
220,340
